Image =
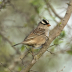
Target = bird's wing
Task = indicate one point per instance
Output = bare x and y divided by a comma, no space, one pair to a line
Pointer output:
35,33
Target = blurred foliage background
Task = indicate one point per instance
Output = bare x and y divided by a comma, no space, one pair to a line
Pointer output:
17,20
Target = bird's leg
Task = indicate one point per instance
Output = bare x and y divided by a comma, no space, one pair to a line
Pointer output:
32,52
29,50
47,38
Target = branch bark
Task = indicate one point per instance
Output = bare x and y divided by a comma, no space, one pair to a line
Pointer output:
53,34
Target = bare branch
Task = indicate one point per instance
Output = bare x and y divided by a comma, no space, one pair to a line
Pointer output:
4,2
19,59
9,42
53,34
51,13
4,65
53,10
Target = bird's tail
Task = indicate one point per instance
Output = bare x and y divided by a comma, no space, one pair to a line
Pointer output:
17,44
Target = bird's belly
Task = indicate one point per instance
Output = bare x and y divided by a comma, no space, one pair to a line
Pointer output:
39,40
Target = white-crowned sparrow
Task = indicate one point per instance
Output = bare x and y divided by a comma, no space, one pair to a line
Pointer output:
38,36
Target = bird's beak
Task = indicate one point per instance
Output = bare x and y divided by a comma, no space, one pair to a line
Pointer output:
48,25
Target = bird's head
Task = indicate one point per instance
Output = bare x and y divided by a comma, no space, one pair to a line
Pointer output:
45,22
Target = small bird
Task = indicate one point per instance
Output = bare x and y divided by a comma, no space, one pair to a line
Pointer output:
38,36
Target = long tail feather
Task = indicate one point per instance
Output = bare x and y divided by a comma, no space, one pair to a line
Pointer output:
16,44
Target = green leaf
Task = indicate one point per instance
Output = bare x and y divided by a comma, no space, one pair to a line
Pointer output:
52,49
4,6
46,8
0,2
36,50
59,23
25,25
62,34
56,41
61,41
53,17
19,69
22,48
44,18
69,52
37,4
0,38
71,47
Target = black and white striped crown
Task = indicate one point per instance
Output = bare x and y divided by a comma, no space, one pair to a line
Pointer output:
44,22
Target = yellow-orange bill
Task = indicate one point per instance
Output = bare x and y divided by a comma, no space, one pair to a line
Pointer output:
49,25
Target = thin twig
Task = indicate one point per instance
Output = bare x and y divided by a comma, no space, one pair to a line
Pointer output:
4,2
5,67
53,10
19,59
9,42
49,11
